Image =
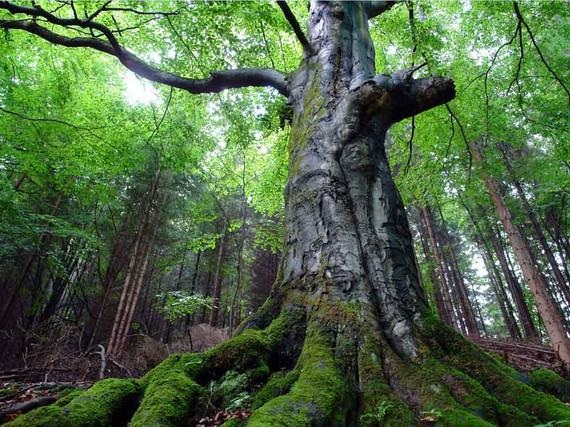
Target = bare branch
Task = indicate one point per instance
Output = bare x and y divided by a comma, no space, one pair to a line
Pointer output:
37,12
378,7
295,25
463,136
217,82
542,58
47,120
138,12
410,146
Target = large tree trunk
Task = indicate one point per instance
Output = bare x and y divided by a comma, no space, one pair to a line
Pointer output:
547,308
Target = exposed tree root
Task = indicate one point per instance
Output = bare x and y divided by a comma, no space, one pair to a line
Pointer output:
319,372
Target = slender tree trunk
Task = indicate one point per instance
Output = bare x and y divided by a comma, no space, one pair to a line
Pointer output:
505,305
441,304
502,299
515,288
177,286
135,272
547,308
467,310
44,240
430,225
217,280
561,281
189,320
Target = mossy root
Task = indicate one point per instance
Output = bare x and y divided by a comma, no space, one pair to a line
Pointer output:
501,381
317,398
107,403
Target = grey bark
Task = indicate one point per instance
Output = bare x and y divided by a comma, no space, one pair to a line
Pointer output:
347,235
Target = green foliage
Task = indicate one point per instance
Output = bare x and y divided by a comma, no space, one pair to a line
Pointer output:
378,415
178,304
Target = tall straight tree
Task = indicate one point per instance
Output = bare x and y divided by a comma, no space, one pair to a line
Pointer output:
547,307
347,311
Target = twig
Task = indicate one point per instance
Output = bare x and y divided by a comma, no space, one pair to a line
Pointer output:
295,26
454,117
542,58
410,146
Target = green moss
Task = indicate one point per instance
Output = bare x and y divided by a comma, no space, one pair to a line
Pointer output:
191,363
318,397
243,352
498,379
172,362
68,397
102,405
379,404
48,416
167,400
550,382
477,400
425,382
235,423
278,384
6,391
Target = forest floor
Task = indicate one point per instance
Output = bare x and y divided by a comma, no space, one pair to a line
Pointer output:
23,389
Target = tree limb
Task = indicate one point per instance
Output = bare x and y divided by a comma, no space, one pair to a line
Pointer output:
378,7
295,26
216,82
409,97
535,44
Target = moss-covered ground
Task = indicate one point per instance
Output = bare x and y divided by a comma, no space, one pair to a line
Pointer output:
296,372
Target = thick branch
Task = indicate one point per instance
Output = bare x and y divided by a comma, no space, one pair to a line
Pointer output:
378,7
409,97
295,26
217,82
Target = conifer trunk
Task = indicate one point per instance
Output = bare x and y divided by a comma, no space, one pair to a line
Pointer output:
217,279
515,289
547,308
561,281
